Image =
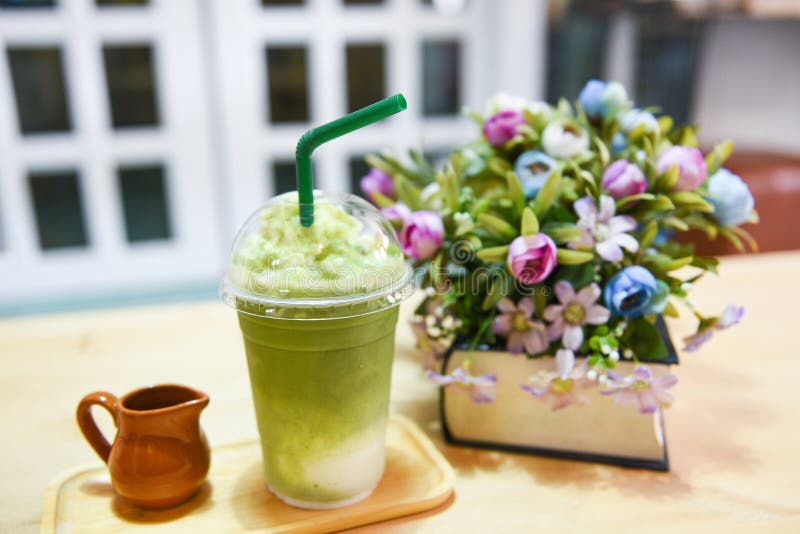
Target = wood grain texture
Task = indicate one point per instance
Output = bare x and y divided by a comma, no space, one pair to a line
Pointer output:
235,498
733,432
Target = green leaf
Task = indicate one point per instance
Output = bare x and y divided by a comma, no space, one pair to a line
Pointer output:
667,181
423,166
499,166
382,201
728,234
648,235
745,236
691,201
701,223
688,137
660,203
665,124
675,223
530,224
717,157
648,146
678,263
645,341
564,106
407,193
475,116
624,202
562,232
602,151
573,257
547,194
637,133
497,290
670,310
435,270
588,179
577,275
707,264
494,254
448,186
515,192
497,226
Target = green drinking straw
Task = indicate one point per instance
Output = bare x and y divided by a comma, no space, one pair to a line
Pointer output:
322,134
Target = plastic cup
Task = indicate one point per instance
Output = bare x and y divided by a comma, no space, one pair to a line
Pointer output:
318,307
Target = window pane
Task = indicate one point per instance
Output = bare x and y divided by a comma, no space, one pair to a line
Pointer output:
38,80
122,2
26,3
358,168
270,3
288,84
577,41
283,176
668,51
144,203
131,85
366,75
441,72
58,209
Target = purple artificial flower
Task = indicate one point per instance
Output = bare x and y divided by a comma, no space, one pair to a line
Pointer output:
398,212
602,230
574,311
531,258
377,181
500,128
563,387
522,334
642,389
731,315
691,164
422,235
479,388
622,179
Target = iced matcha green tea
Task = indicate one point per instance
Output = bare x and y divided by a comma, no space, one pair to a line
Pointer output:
318,307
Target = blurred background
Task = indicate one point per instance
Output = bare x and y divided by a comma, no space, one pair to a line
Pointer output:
137,135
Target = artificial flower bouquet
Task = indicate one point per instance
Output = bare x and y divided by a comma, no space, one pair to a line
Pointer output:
555,234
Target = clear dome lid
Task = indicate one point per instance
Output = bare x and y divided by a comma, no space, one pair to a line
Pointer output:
347,263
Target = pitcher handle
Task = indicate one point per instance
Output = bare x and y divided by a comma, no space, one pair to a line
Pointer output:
87,424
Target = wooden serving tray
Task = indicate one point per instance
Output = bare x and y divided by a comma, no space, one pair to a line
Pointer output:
235,498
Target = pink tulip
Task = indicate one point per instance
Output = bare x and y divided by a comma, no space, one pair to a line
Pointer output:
532,258
377,181
422,235
502,127
622,179
690,161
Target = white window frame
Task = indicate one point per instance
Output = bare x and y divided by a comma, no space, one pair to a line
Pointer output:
181,143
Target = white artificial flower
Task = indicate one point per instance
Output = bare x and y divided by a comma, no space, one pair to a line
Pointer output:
564,140
633,118
504,101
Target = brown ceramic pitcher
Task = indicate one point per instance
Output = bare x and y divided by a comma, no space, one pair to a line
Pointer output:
160,456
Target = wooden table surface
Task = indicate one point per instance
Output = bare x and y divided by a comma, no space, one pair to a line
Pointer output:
734,432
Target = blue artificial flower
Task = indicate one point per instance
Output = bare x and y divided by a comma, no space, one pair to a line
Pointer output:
533,168
733,202
630,292
619,143
659,299
590,97
603,99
